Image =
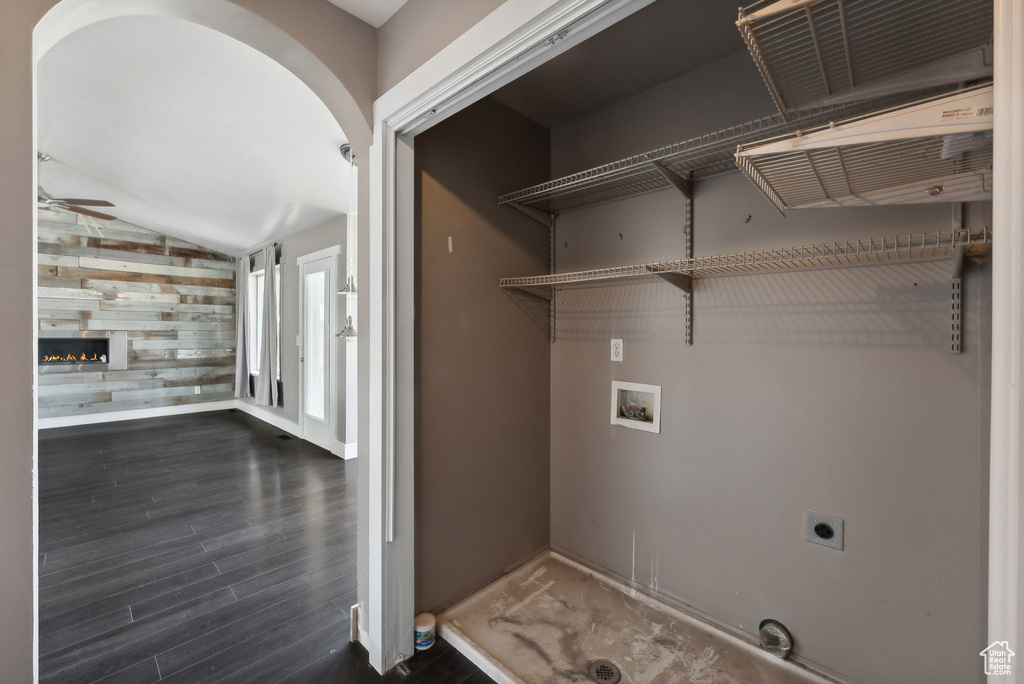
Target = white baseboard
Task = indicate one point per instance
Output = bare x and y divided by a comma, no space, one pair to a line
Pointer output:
269,417
134,414
338,448
351,451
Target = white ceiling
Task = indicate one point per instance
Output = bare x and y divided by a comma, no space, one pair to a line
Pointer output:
189,132
374,12
655,44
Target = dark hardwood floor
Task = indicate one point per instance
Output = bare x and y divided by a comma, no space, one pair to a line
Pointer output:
202,548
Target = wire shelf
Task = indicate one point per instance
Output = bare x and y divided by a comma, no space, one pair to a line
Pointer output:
924,246
697,158
939,149
817,52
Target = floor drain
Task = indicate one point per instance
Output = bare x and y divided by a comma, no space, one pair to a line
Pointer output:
605,671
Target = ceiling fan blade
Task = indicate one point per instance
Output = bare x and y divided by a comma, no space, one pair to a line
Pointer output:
89,212
85,202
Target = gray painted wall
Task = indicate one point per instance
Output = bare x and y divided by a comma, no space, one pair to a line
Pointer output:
326,235
482,357
421,29
826,391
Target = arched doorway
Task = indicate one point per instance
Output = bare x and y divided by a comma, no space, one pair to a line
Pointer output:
298,38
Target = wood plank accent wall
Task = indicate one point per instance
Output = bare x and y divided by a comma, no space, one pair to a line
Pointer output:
176,300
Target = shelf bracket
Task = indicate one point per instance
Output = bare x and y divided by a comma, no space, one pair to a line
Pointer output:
548,220
683,185
956,267
544,218
683,282
535,293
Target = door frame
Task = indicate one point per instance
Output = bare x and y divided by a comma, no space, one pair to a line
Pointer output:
333,251
515,38
1006,461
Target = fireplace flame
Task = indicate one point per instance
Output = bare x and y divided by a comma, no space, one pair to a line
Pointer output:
71,358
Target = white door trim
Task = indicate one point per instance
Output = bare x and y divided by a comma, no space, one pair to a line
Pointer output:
515,38
1006,472
319,254
333,251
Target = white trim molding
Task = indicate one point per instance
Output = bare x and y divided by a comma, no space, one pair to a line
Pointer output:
136,414
335,446
269,417
516,37
1006,485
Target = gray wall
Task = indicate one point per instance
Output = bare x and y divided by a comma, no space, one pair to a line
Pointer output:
419,30
294,246
826,391
482,357
175,301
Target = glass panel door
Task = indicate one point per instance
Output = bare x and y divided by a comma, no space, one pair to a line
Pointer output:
317,307
317,329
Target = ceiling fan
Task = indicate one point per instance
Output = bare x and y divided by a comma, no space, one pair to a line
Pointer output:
70,203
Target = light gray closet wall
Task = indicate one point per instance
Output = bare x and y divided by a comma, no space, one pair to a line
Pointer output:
325,235
828,391
482,356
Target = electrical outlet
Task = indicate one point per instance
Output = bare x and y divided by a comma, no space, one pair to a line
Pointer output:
198,389
616,350
824,530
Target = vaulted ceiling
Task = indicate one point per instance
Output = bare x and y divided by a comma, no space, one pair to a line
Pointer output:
188,132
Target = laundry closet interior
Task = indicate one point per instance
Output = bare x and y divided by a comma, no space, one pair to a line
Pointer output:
781,221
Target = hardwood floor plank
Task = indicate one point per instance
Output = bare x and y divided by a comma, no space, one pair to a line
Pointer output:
144,672
237,658
200,549
51,640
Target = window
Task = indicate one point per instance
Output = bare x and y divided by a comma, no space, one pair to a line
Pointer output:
255,312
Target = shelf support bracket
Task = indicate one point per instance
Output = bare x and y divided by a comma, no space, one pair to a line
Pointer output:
548,220
542,217
956,273
535,293
956,267
683,282
683,185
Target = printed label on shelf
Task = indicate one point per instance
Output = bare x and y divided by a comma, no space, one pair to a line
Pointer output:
965,114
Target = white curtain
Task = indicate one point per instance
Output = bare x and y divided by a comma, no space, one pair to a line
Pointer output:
242,328
266,381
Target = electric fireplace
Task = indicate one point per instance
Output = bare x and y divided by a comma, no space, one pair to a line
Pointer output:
85,350
74,350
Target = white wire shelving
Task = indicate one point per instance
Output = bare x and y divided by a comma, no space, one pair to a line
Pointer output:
919,247
937,149
694,159
813,53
